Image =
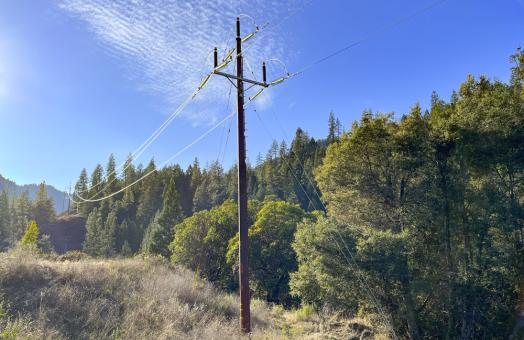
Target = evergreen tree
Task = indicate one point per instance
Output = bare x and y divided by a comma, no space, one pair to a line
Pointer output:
126,249
332,125
212,190
108,234
30,237
150,199
160,232
94,225
95,189
81,189
43,208
5,220
112,184
21,215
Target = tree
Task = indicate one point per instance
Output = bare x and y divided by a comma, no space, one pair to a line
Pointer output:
5,220
212,189
323,278
81,189
21,215
333,128
43,208
272,258
150,196
99,236
201,242
97,186
160,232
30,237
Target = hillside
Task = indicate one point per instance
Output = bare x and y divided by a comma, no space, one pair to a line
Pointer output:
138,299
14,189
66,233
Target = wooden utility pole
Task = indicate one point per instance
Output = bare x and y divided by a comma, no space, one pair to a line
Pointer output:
243,227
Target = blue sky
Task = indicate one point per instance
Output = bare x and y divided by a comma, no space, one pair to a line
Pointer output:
80,79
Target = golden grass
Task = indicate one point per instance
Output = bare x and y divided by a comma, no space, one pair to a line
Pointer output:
138,298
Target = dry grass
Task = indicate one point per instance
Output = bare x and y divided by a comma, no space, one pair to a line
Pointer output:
133,299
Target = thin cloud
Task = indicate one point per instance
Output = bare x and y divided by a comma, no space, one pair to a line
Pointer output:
167,46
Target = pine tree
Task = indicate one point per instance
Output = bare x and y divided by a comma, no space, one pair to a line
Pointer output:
81,189
96,188
111,178
30,237
21,216
43,209
149,196
94,225
195,173
5,220
107,234
126,249
160,232
332,125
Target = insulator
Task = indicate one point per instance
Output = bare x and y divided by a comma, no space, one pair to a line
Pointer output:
277,81
223,65
248,37
229,54
256,95
204,82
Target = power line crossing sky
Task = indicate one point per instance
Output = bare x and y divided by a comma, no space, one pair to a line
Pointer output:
81,79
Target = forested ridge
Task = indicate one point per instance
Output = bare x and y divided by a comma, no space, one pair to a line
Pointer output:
415,222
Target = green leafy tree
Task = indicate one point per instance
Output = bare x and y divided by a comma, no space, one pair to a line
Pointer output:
272,258
201,242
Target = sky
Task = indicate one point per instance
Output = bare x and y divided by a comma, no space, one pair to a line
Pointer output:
81,79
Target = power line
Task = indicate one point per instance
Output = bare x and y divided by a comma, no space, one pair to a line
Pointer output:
367,37
202,136
141,149
355,265
225,123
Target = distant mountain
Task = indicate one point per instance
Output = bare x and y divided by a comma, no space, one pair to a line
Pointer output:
59,197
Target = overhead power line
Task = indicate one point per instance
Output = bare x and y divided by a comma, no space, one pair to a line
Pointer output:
364,39
350,259
178,153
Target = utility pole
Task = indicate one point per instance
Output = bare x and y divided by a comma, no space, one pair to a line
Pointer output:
243,227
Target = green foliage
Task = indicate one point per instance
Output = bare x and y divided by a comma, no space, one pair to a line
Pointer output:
424,230
160,232
201,242
430,209
21,215
271,255
5,220
30,237
99,235
43,209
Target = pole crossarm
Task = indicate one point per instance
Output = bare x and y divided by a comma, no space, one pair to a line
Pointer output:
231,76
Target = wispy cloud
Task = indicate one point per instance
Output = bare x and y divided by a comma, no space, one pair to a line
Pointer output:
167,46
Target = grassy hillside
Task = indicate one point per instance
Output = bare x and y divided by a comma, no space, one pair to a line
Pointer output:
81,298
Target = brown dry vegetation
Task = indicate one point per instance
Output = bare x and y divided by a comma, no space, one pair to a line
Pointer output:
73,297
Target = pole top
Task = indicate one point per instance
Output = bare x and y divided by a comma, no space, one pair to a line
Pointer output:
238,27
